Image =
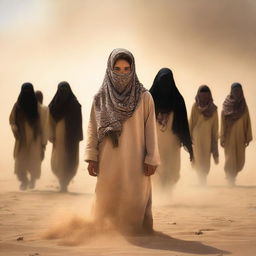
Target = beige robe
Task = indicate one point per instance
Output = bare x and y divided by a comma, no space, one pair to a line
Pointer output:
123,192
168,172
59,158
204,134
29,155
44,114
234,139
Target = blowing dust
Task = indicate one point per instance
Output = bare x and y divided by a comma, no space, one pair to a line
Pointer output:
75,230
203,42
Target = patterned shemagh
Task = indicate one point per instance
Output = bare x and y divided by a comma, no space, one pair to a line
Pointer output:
117,98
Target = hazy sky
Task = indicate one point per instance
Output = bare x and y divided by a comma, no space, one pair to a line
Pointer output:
48,41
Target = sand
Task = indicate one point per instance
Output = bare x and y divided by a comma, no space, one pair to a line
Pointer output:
216,220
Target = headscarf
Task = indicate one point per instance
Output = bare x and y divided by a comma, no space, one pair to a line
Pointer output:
64,105
204,101
117,98
234,104
39,96
26,110
168,99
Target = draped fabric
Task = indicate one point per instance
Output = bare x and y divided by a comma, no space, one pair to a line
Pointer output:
204,101
234,104
64,105
168,99
26,110
117,98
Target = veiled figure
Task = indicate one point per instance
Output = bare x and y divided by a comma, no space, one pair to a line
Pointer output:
204,132
122,147
65,133
172,128
236,132
28,124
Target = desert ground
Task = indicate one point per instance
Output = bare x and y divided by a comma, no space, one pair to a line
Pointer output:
189,220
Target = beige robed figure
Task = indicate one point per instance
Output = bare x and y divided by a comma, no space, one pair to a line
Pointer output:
172,128
204,132
28,123
236,132
122,147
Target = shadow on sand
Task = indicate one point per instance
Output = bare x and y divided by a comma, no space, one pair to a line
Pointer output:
161,241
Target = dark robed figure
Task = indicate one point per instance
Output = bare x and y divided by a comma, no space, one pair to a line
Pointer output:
65,133
27,122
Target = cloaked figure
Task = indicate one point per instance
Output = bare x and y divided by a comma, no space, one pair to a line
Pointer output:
204,132
27,123
65,133
172,127
122,147
236,132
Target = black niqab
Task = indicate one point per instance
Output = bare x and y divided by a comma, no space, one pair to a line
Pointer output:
27,109
64,105
168,99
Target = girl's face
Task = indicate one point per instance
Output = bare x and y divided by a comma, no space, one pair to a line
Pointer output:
122,67
237,93
204,98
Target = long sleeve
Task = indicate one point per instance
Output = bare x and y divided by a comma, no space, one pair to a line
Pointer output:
248,129
215,135
91,149
152,153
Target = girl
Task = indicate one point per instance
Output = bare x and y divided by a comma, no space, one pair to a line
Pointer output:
122,147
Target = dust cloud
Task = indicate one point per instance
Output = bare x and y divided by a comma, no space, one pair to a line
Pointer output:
203,42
